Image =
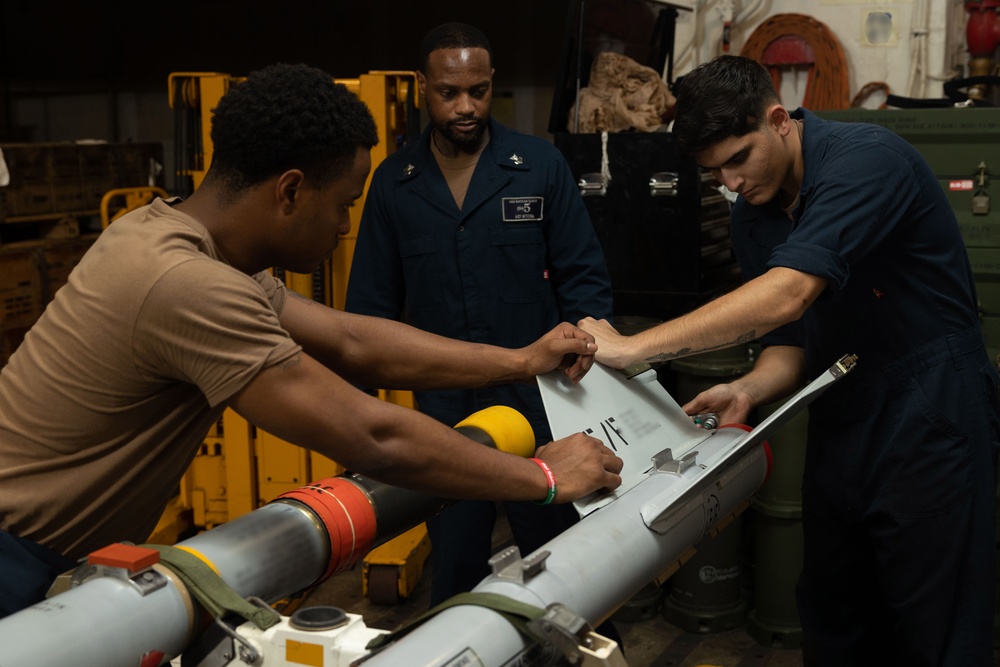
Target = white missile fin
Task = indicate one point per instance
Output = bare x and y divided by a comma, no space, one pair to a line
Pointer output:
636,417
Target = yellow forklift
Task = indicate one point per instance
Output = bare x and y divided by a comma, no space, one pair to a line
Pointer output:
240,467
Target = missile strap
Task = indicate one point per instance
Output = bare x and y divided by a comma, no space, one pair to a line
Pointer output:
214,594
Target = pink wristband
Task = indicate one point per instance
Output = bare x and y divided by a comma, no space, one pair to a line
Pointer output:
550,478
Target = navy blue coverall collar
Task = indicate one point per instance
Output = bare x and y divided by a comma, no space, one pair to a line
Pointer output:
490,176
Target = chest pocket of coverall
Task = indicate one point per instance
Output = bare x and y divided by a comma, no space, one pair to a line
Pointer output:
527,307
519,263
422,267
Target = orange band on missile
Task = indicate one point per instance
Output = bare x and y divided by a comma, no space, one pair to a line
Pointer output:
346,513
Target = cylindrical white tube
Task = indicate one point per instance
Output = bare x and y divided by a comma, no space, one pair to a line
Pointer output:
272,552
104,623
594,566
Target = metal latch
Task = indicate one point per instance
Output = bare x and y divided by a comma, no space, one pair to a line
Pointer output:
664,461
508,564
573,637
981,198
593,185
663,183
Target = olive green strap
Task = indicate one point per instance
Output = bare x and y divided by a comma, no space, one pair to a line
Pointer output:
214,594
517,614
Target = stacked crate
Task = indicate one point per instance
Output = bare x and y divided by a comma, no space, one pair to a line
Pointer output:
52,188
56,179
30,189
21,298
31,273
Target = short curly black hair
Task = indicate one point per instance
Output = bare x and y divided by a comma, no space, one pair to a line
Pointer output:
725,97
453,36
285,117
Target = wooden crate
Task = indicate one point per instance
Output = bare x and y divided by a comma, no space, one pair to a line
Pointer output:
94,189
65,161
95,161
133,162
28,163
50,181
28,198
69,196
10,339
21,294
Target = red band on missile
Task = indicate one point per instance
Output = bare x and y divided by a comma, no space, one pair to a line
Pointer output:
347,514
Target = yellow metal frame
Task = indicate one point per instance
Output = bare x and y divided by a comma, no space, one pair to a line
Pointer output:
403,557
133,198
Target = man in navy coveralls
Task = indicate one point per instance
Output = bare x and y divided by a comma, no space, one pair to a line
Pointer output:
479,233
848,246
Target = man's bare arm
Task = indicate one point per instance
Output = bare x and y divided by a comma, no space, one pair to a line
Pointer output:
778,297
779,371
306,404
379,352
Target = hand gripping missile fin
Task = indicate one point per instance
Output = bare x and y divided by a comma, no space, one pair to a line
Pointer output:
659,514
634,416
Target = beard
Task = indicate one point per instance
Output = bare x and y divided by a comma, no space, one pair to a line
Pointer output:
468,141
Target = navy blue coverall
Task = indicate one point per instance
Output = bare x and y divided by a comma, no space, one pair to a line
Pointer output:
900,473
518,258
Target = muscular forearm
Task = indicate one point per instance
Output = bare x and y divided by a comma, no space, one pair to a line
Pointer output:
761,305
417,452
305,404
379,352
779,371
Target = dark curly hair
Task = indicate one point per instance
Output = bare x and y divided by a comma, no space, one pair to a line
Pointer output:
284,117
453,36
723,98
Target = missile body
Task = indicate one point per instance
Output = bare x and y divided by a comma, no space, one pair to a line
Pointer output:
113,616
596,565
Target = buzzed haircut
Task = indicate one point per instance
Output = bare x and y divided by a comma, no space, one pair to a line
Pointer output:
287,117
726,97
453,36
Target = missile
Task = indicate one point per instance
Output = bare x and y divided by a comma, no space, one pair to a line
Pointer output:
126,608
680,482
668,501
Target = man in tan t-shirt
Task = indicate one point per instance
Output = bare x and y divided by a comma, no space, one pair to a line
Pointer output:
171,317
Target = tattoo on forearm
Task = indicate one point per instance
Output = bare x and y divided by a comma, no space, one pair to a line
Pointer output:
687,351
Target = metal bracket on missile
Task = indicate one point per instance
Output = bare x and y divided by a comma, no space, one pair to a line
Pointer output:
573,637
508,564
665,462
144,581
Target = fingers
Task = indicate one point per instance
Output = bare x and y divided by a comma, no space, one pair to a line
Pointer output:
615,465
581,363
590,325
695,406
612,481
582,464
582,347
611,461
567,330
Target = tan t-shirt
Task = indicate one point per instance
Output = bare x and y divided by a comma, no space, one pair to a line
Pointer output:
106,401
457,171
